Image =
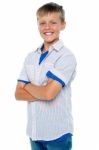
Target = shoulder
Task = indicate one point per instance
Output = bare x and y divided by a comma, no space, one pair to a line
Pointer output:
66,52
66,57
29,57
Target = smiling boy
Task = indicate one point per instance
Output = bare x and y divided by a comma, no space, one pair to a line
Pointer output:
45,82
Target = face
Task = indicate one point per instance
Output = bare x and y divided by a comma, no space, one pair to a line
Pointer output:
49,27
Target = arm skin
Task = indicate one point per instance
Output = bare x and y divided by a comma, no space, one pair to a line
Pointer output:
22,94
31,92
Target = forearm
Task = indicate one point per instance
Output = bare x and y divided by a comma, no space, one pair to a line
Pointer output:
22,95
39,92
44,92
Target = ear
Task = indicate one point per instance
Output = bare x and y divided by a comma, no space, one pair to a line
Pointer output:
63,25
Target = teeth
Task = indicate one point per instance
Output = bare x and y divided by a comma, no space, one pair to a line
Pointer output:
48,33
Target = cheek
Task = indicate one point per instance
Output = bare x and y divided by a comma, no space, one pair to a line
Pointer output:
57,29
40,29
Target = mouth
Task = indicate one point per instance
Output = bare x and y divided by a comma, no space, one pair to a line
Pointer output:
48,33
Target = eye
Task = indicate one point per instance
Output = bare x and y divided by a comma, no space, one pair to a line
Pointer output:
42,23
53,22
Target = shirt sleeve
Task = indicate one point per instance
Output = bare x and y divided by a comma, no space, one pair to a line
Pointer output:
23,77
64,70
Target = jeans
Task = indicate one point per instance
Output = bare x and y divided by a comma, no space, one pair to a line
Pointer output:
65,144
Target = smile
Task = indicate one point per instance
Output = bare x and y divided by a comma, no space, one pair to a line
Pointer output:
48,33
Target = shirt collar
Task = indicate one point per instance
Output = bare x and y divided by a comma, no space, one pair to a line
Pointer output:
39,49
56,46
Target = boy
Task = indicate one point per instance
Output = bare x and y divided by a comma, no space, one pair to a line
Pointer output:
45,83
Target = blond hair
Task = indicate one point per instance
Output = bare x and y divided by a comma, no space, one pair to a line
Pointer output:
51,8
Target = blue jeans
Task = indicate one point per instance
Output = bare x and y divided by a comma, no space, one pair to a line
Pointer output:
65,144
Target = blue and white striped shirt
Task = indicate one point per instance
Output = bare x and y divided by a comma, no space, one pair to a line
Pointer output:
49,120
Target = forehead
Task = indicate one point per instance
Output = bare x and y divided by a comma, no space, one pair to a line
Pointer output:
52,16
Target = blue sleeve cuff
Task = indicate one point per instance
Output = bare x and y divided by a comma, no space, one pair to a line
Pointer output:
26,82
54,77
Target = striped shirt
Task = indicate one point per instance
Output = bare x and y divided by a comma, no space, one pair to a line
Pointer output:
49,120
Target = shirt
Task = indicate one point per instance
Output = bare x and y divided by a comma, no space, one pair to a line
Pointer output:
49,120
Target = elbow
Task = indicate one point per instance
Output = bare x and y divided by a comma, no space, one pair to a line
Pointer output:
17,96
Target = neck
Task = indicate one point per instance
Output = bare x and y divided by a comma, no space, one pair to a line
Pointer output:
47,45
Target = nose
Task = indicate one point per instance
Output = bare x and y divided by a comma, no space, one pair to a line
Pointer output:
47,25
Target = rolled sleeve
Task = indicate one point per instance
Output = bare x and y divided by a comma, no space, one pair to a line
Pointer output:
23,77
55,75
64,70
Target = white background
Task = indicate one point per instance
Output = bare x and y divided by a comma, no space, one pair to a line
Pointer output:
18,36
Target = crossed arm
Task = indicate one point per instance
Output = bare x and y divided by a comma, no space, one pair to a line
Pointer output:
32,92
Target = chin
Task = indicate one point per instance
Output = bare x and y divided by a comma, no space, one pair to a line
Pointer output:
51,41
